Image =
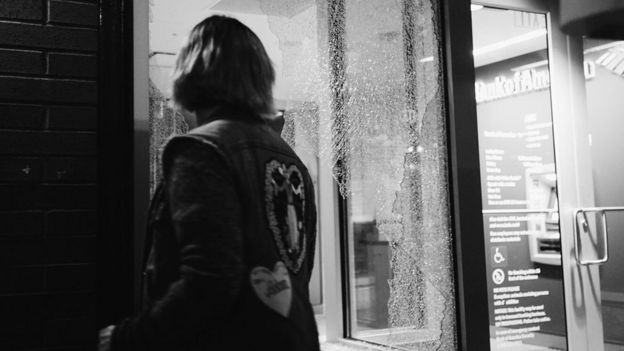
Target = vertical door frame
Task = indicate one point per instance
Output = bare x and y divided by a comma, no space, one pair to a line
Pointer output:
465,181
115,278
141,131
335,302
574,183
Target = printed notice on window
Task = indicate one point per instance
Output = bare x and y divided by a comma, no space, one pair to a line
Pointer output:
521,223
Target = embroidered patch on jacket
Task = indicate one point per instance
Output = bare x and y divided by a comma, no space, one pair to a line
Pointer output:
285,206
273,288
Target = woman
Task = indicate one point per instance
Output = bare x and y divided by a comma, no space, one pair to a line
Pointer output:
232,224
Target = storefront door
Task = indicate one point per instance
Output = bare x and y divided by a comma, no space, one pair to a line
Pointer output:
549,111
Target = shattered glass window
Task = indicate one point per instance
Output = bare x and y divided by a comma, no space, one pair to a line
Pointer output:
393,173
164,120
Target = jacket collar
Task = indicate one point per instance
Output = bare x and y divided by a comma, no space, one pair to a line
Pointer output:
224,111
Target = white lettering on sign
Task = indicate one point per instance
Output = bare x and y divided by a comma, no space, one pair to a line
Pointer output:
521,82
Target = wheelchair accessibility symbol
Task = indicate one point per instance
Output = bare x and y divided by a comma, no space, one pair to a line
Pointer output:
499,256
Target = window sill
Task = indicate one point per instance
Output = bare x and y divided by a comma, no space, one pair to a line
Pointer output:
351,345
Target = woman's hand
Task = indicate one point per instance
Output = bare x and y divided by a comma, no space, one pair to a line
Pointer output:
105,336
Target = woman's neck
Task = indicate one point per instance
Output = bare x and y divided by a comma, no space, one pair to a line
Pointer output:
207,115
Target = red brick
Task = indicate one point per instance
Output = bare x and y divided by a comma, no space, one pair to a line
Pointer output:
21,9
21,335
70,65
21,116
24,197
21,224
24,169
70,223
72,118
21,322
23,307
70,305
21,61
70,170
48,70
40,90
70,277
22,252
20,280
48,37
47,143
71,250
70,331
73,13
88,347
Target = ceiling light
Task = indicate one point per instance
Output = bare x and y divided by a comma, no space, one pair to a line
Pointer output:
474,7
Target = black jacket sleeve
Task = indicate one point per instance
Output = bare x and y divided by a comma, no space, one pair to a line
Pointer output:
206,215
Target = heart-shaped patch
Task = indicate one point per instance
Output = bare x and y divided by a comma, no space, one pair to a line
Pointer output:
285,207
273,288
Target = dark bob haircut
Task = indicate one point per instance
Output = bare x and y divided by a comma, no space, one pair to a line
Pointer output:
224,62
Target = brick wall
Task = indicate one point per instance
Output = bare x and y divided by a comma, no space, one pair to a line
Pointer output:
48,185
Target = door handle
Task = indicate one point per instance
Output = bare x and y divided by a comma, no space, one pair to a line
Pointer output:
581,224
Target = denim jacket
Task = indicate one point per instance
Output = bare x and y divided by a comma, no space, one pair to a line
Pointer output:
232,234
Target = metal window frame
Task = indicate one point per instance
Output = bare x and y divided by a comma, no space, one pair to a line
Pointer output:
114,294
141,191
464,178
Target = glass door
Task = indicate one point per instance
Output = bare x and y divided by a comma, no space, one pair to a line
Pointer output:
603,239
548,115
518,179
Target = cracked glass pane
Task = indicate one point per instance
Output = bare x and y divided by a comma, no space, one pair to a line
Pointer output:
393,171
164,120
